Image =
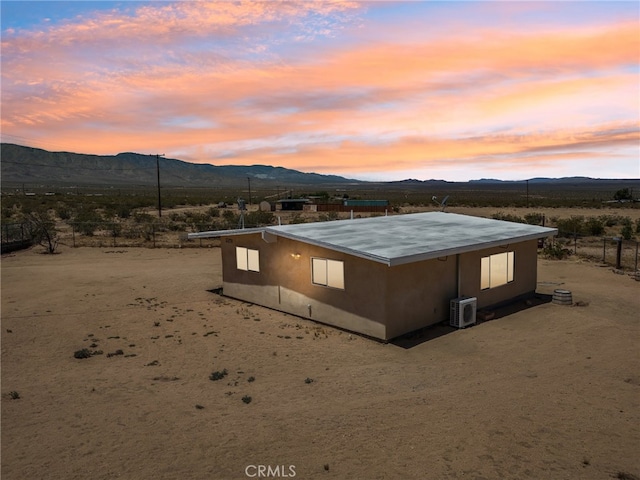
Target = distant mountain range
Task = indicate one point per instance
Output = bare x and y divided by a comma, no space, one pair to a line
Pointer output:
20,164
32,165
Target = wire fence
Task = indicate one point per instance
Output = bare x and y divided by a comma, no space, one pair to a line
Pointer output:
614,251
148,235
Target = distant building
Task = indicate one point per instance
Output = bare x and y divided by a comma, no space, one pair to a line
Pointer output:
291,204
348,205
381,276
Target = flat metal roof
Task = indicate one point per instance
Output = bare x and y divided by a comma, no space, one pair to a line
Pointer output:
400,239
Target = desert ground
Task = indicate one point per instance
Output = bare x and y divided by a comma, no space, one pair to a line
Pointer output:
542,391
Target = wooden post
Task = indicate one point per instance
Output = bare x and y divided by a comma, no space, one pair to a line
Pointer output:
618,253
604,250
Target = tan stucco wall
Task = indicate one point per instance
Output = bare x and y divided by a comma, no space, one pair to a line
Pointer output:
419,294
525,274
380,301
284,283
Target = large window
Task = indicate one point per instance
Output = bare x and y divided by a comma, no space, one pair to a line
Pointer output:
329,273
496,270
247,259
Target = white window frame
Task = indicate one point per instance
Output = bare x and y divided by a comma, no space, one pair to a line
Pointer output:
248,259
497,270
327,273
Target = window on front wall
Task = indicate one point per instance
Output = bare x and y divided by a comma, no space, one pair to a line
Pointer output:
496,270
247,259
329,273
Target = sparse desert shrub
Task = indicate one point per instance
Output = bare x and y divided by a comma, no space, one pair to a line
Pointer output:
246,399
218,375
43,229
87,221
308,380
571,226
297,218
594,226
329,216
627,232
141,217
556,251
507,217
13,395
83,353
251,379
533,218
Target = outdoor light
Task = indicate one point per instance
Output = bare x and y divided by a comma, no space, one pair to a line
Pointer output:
295,256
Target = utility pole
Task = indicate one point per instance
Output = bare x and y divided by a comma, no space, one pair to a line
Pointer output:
158,155
249,180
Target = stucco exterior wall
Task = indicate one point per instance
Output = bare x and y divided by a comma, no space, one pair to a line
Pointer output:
419,294
284,283
525,274
379,301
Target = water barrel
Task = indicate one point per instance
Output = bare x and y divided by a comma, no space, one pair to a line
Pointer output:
562,297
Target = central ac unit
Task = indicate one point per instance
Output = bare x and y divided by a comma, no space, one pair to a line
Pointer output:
463,312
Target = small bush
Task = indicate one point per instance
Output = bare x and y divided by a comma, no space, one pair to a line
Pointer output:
251,379
217,375
594,226
84,353
533,218
14,395
246,399
573,225
308,380
507,217
627,232
555,251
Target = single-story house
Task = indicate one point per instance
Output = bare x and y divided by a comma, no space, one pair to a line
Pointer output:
381,276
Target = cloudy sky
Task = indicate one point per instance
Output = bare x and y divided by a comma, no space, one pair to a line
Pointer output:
374,90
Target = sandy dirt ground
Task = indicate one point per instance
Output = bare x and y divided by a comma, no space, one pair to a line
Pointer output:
545,392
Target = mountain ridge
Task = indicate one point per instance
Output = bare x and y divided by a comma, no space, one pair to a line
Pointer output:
22,164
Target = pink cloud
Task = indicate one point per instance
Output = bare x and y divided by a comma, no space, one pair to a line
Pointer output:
127,82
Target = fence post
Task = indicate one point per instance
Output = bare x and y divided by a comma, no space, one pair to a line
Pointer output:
153,233
618,252
636,268
73,234
604,249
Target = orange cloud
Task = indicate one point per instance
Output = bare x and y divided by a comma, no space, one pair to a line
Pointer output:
464,97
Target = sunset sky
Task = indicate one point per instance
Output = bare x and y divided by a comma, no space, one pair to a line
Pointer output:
373,91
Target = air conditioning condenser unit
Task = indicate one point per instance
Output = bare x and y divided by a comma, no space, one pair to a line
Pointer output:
463,312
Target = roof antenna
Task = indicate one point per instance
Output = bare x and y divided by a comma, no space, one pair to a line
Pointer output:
442,204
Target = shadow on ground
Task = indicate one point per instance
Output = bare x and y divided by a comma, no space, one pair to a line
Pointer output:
432,332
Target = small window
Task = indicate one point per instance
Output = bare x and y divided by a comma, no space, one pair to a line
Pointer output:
329,273
247,259
496,270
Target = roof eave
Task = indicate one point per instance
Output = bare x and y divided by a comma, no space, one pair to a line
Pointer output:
224,233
